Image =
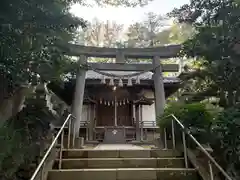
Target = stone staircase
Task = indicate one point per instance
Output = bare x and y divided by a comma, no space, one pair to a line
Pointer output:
144,164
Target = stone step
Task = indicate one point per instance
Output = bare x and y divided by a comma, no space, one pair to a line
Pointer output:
124,174
143,153
121,163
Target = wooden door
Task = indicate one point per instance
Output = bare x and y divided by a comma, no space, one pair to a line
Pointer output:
105,115
124,115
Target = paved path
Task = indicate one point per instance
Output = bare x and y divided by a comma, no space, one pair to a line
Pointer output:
117,146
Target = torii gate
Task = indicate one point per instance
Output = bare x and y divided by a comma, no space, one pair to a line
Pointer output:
155,53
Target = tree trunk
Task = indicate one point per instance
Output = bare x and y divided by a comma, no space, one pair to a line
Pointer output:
11,106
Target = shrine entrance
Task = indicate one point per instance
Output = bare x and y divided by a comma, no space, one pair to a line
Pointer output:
114,116
106,115
113,112
124,115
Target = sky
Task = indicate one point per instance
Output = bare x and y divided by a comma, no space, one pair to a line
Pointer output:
123,15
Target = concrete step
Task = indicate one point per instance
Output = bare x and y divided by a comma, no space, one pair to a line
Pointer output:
143,153
124,174
121,163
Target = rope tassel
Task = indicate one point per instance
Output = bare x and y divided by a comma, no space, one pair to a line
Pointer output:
103,81
111,83
138,80
129,82
120,84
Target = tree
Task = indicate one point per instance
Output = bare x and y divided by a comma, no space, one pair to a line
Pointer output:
216,42
145,34
157,30
154,24
27,30
180,32
101,33
127,3
136,35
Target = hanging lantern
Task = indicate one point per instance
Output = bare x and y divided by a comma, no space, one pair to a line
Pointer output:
120,103
111,83
103,81
129,82
120,84
123,101
100,101
127,101
108,103
105,102
138,80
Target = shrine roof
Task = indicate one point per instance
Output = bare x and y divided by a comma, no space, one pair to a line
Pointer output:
145,76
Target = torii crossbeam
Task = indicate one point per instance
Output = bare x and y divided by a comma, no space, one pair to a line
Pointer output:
104,52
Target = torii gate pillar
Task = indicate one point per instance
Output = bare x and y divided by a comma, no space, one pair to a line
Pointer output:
78,98
159,87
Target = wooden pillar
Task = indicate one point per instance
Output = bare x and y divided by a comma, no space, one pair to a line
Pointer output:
159,87
91,121
115,111
87,122
95,122
136,109
78,97
138,123
141,121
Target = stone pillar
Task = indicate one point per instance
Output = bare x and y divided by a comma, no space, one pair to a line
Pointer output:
159,92
159,87
78,97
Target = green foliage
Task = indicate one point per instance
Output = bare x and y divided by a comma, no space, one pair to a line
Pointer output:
194,116
23,139
27,29
125,3
154,31
225,139
216,44
212,125
191,114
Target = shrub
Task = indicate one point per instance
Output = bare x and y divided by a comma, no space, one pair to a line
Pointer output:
195,116
226,139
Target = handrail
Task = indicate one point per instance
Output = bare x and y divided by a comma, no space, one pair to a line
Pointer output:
210,158
40,165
